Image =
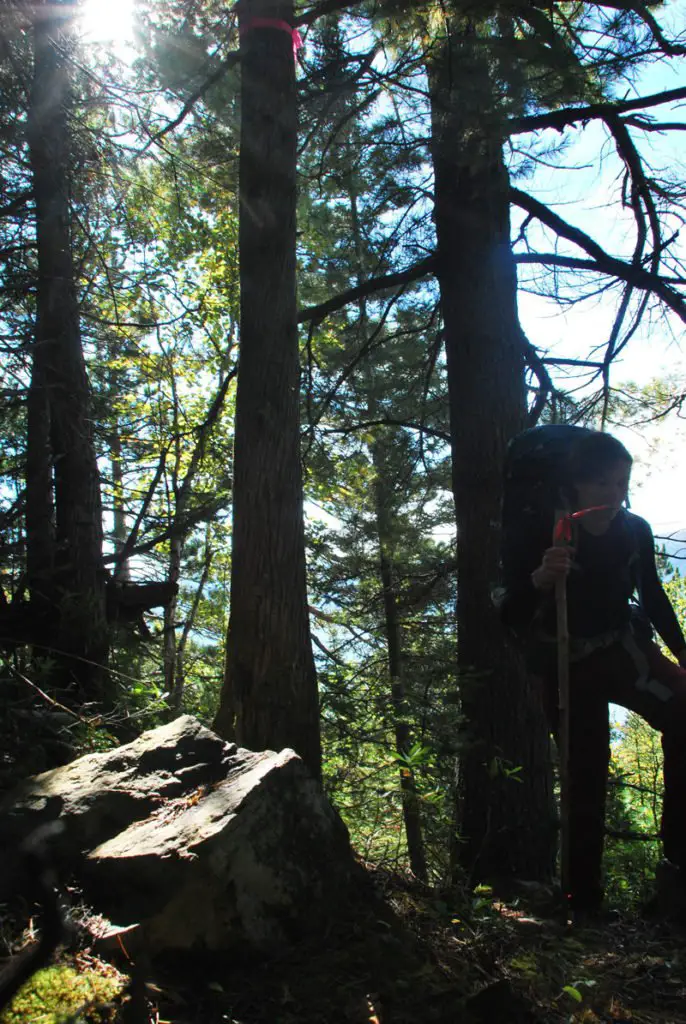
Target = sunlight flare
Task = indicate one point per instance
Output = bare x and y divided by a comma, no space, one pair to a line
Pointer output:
103,21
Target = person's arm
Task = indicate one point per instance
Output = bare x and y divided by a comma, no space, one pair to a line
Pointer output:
654,600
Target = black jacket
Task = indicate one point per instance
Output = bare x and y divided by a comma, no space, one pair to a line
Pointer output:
607,571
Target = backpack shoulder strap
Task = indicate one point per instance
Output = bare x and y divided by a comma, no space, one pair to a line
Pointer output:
632,527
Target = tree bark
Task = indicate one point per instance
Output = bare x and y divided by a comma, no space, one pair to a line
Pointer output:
506,827
269,698
79,581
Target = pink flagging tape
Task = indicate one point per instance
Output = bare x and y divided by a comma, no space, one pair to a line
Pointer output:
563,527
276,23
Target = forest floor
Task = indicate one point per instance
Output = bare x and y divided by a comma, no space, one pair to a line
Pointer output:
402,954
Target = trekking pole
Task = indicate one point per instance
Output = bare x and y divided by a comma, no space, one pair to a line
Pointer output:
561,538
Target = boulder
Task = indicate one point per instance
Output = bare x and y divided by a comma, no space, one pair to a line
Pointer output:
197,842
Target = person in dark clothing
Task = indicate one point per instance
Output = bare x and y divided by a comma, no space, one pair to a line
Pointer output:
613,658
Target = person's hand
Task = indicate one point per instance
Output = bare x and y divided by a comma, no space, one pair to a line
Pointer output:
557,561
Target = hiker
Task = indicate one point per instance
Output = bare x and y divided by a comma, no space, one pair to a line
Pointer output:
613,657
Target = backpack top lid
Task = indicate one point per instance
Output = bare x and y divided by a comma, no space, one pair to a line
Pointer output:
543,446
534,471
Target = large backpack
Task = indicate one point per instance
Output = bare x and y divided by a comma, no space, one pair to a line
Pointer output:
534,474
535,469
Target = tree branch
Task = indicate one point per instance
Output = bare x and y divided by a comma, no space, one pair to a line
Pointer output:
370,287
545,385
640,187
327,7
553,259
388,421
16,205
574,362
634,275
570,115
628,836
229,61
329,654
203,432
198,515
641,10
121,557
646,125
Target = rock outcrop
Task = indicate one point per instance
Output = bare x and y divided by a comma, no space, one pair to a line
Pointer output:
198,843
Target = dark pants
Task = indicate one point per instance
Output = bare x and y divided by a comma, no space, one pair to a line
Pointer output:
612,675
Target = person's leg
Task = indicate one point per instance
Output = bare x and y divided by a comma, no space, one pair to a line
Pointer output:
655,688
589,752
589,755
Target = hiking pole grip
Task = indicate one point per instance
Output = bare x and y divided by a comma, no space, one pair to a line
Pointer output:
560,539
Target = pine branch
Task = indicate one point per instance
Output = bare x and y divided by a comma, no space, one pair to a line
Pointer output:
584,363
16,205
388,421
641,10
647,125
553,259
370,287
571,115
321,10
611,265
329,654
628,836
121,557
181,524
545,384
229,61
640,187
203,432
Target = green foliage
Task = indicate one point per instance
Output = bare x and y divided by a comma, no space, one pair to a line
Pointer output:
56,993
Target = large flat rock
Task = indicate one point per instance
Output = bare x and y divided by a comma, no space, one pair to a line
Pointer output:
200,843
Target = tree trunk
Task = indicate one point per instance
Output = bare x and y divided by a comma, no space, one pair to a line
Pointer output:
402,728
384,530
169,658
40,522
176,695
119,530
506,825
269,697
81,631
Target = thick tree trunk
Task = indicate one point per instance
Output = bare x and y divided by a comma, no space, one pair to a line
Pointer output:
79,579
270,695
505,826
